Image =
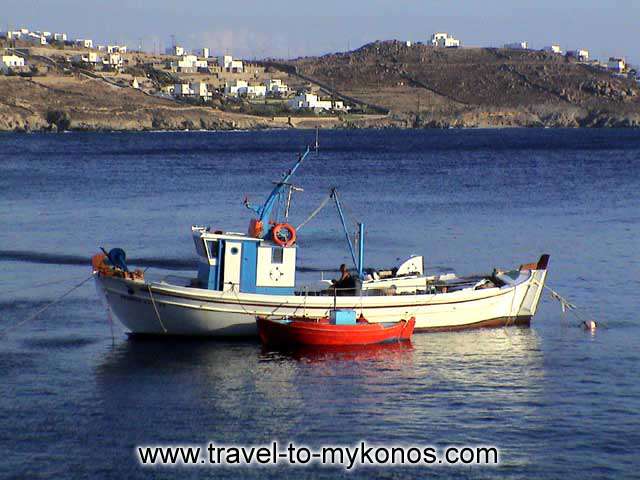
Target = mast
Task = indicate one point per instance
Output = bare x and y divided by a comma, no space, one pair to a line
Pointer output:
334,194
264,212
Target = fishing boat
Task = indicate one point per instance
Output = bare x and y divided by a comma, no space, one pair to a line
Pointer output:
241,276
340,328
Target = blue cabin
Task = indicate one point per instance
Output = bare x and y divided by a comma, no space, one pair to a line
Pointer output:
230,261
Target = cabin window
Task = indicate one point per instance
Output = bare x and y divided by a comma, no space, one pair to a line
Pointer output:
277,255
213,249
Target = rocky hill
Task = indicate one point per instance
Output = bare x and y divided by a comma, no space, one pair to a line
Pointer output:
398,85
425,86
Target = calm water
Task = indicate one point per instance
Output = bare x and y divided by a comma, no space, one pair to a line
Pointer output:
558,401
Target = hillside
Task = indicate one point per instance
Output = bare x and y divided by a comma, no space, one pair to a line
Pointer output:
388,83
425,86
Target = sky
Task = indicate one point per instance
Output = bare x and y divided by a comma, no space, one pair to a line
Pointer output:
291,28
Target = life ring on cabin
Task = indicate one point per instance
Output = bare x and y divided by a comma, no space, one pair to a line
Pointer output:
283,234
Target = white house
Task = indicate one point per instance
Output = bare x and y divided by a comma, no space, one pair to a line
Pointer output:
195,89
83,43
34,39
113,60
60,37
236,88
203,52
116,49
90,57
581,55
10,62
309,100
517,46
12,34
256,90
175,50
200,90
276,87
190,63
553,49
135,84
182,90
617,64
444,40
230,65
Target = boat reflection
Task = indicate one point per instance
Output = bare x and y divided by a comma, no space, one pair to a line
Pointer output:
387,352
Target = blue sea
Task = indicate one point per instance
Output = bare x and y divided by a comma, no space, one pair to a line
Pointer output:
77,394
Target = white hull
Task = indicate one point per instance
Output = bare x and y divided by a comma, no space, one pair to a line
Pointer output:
161,308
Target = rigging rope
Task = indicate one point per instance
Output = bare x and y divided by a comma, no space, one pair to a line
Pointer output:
314,213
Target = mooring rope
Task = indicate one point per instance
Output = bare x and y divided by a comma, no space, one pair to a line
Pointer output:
567,306
153,302
31,317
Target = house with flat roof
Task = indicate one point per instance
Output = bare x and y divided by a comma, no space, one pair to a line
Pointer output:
517,46
11,62
175,50
582,55
444,40
553,49
617,64
230,65
276,87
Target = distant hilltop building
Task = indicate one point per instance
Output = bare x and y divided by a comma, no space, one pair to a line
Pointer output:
83,43
11,63
230,65
116,49
617,64
581,55
175,50
553,49
517,46
444,40
203,52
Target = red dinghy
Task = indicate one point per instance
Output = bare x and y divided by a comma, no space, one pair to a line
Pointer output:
325,332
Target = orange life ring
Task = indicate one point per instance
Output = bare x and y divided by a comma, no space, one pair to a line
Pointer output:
290,238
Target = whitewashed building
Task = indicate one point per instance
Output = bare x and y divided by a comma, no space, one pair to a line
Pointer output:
113,60
236,88
239,88
189,64
553,49
198,90
175,50
581,55
83,43
517,46
116,49
276,87
230,65
60,37
10,62
617,64
309,100
444,40
34,39
256,90
203,52
89,57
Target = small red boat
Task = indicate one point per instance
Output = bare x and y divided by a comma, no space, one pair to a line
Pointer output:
305,331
